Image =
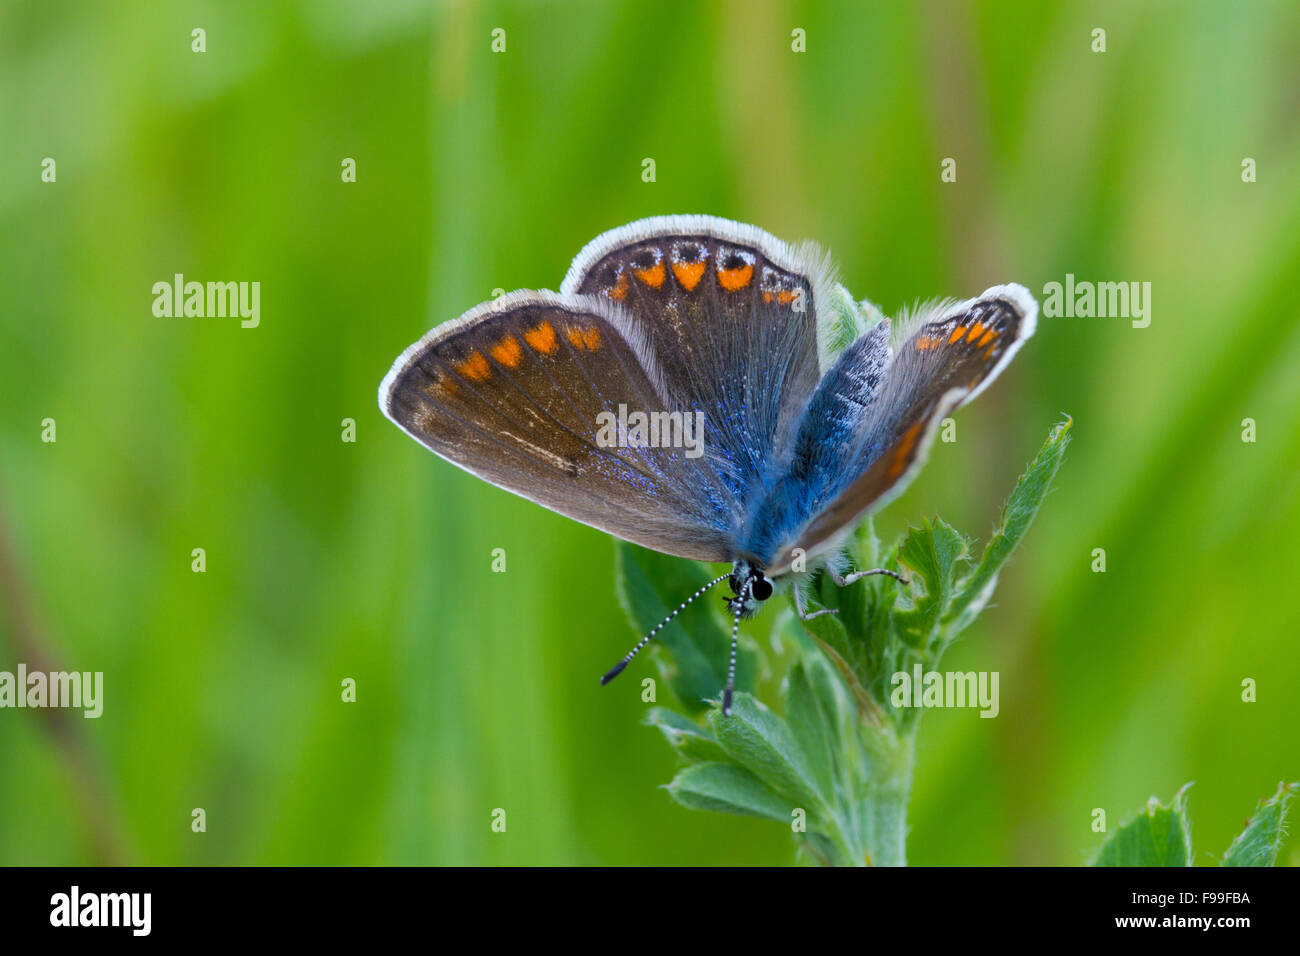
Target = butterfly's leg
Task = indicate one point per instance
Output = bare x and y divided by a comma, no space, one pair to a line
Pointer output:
802,609
856,575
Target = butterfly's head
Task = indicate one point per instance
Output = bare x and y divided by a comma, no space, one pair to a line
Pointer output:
750,587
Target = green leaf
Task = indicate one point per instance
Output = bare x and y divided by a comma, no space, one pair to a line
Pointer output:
825,627
812,714
724,788
828,629
848,320
650,586
840,753
1157,836
693,742
1017,515
935,553
1259,843
850,637
761,742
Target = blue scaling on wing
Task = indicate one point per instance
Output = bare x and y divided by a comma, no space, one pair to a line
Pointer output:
728,315
820,464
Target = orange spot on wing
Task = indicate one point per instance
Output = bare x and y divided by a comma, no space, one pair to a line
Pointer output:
957,333
689,273
542,338
786,296
904,449
588,338
508,352
619,291
988,337
654,276
733,279
475,367
976,331
443,386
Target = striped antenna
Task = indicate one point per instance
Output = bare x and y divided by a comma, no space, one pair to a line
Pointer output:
735,635
618,668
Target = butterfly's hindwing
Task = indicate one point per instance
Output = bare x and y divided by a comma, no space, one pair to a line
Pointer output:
822,452
939,363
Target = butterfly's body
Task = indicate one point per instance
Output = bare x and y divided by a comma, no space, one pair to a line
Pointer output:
813,414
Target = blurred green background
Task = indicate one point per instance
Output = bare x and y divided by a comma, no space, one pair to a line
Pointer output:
479,170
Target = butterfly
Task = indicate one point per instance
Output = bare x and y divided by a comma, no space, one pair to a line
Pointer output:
701,388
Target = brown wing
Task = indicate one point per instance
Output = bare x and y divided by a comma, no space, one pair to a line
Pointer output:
520,392
731,316
941,362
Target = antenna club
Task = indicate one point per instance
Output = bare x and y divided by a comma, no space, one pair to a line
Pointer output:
613,672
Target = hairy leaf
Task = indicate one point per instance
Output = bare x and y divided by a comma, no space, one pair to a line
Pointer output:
1158,835
1259,843
935,553
727,789
689,739
1017,515
761,742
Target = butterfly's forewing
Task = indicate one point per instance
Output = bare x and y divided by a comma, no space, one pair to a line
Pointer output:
939,363
514,392
730,312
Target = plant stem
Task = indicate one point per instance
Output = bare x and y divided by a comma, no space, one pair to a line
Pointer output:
887,786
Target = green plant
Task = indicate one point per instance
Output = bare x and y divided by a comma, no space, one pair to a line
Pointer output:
836,765
1161,835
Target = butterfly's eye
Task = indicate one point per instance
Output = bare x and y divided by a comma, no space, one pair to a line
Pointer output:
761,589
